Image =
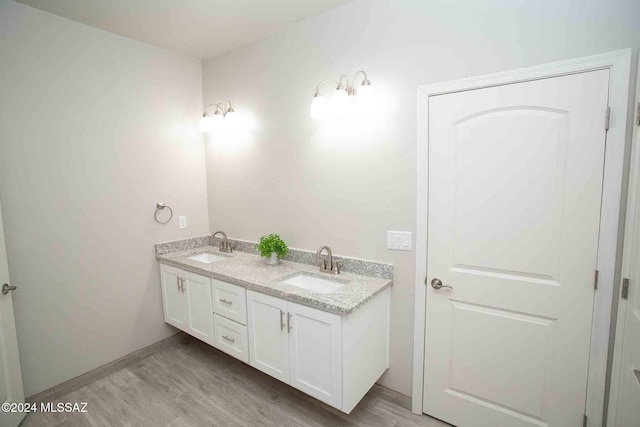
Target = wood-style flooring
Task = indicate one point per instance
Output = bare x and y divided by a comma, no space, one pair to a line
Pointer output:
192,384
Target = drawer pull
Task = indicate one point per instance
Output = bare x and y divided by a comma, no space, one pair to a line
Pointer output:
225,301
231,340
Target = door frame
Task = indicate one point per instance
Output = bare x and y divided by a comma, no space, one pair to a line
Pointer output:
619,64
632,228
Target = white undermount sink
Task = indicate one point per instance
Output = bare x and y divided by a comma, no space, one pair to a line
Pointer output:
207,258
313,283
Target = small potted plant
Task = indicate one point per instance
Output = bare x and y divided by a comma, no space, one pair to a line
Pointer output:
272,248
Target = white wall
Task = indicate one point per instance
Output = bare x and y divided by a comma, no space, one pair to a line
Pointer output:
94,129
346,184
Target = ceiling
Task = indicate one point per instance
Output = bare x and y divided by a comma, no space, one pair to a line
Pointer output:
199,28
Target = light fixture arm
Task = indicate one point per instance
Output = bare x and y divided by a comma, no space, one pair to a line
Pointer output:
353,82
323,82
339,82
346,78
219,107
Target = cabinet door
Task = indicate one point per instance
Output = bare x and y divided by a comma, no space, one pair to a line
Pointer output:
268,337
315,351
200,319
174,301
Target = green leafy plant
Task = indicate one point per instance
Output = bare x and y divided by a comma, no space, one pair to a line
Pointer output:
272,243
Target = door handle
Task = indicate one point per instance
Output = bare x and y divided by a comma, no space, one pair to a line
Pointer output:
437,284
6,288
182,284
281,320
289,327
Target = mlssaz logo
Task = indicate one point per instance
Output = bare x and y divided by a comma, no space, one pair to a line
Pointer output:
63,407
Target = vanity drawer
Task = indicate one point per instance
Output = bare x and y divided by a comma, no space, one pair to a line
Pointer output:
231,337
229,301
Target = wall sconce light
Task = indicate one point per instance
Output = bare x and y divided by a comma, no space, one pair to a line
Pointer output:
343,94
207,122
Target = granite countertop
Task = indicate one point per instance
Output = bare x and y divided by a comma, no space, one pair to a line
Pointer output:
249,271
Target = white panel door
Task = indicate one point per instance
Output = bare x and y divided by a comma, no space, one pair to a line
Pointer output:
268,337
315,352
174,299
515,184
199,306
11,390
628,405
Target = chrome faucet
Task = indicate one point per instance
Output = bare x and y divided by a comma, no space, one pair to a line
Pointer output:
328,264
224,246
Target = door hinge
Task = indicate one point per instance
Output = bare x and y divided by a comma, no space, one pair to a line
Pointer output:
607,118
596,277
625,288
584,421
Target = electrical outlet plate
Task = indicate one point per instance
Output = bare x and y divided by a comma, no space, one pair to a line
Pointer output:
399,240
183,222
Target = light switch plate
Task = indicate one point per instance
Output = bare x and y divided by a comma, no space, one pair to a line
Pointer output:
399,240
183,222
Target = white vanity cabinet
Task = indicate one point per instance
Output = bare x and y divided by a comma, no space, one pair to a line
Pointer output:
334,358
187,302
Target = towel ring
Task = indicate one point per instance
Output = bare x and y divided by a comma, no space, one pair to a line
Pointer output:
160,206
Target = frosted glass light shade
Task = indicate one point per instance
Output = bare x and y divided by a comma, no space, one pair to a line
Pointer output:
340,101
318,107
206,124
230,117
365,95
216,119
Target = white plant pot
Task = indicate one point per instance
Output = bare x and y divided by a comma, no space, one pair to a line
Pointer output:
271,260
